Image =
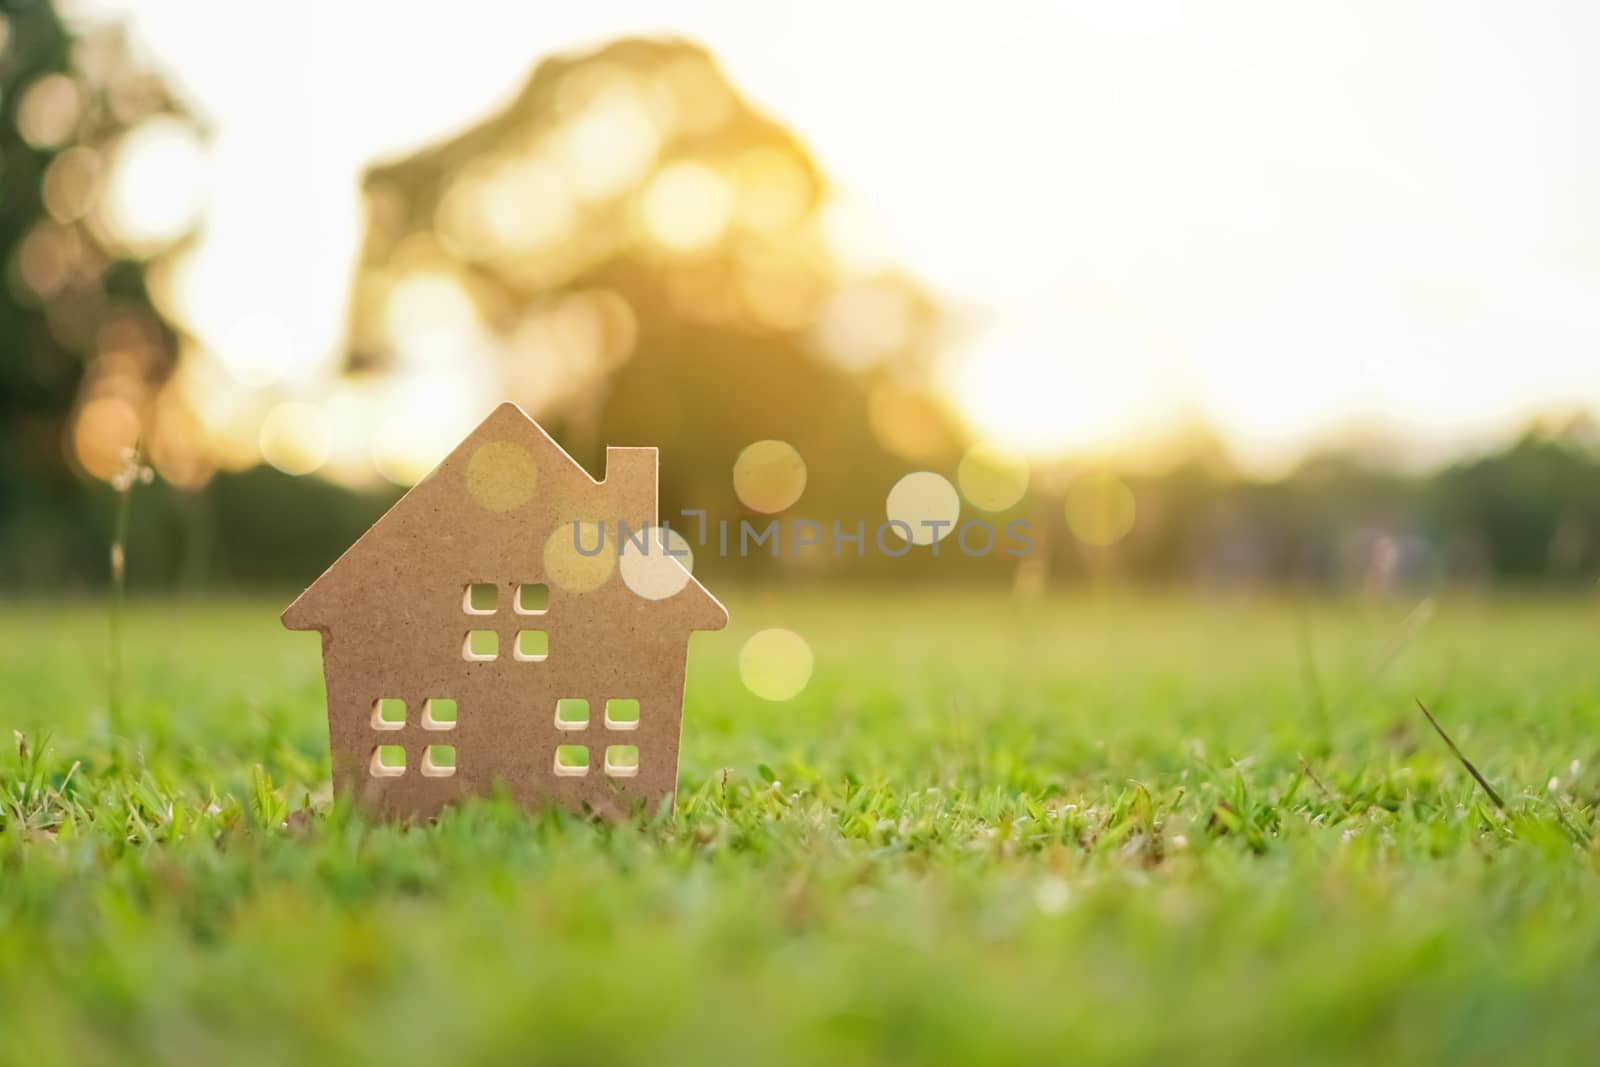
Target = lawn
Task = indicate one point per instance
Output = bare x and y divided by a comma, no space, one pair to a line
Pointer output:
1100,829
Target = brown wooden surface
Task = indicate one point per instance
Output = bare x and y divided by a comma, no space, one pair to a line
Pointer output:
393,616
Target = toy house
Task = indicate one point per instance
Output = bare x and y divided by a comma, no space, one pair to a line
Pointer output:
509,624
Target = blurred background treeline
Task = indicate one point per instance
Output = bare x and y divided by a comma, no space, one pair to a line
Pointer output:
636,254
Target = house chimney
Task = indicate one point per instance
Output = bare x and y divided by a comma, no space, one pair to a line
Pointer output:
631,475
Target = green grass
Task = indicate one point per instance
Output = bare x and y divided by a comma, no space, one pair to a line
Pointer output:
1097,830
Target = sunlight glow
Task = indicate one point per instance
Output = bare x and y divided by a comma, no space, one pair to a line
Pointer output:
431,319
423,416
1303,257
1079,376
256,350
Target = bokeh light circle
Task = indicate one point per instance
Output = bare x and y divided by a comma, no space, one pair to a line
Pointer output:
71,183
1101,509
648,569
47,114
294,437
106,429
775,664
572,570
922,498
156,186
769,476
501,476
992,479
687,206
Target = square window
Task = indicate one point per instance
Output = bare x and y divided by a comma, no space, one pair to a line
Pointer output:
532,645
388,713
533,599
439,761
438,714
481,598
388,761
572,761
481,646
572,714
622,761
622,715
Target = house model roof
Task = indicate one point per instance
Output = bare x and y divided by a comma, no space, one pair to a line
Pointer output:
510,493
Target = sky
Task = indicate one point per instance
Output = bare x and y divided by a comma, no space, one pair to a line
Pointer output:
1290,221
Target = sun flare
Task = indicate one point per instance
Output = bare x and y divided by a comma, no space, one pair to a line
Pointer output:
1079,376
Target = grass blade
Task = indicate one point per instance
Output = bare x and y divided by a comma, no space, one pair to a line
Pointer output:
1465,762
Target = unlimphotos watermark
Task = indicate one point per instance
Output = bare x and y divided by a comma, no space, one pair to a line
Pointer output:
975,538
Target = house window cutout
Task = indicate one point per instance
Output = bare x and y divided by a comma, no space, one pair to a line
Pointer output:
481,646
438,714
572,761
572,714
439,761
388,761
622,761
388,713
622,715
532,645
532,599
481,598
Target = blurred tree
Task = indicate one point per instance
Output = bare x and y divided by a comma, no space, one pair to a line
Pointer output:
1534,508
650,259
639,257
84,352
